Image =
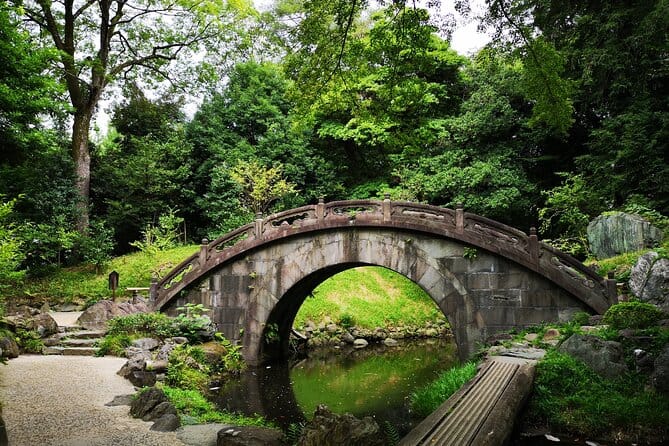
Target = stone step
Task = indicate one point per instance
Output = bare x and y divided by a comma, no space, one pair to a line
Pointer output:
86,334
70,351
69,342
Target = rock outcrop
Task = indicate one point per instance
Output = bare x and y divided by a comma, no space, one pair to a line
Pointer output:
617,232
152,405
604,357
96,316
649,280
329,429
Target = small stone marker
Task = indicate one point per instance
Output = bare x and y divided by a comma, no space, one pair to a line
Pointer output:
113,283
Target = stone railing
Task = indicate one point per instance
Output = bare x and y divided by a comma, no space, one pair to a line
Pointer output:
474,230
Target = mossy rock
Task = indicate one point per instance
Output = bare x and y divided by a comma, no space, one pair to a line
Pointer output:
616,233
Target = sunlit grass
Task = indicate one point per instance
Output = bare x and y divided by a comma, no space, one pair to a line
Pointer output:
427,399
371,297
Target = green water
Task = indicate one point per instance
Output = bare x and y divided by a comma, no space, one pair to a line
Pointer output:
374,381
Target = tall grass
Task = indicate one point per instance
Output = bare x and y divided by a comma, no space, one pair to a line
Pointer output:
426,400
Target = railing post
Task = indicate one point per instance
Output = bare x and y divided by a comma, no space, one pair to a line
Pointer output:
459,218
320,209
153,289
203,252
258,225
386,208
612,288
533,246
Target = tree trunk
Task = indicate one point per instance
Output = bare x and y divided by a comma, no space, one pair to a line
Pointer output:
82,165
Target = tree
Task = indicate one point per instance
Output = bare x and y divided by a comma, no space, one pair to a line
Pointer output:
143,166
252,119
261,186
98,42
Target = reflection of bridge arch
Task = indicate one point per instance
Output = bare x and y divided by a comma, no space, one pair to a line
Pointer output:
259,275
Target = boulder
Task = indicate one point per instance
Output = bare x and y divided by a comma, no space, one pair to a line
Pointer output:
96,316
604,357
159,411
146,343
9,347
649,280
329,429
142,378
249,436
42,323
133,364
617,232
660,377
167,423
360,343
146,401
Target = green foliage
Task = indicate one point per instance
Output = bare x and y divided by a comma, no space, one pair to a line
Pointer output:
261,186
390,431
191,321
29,341
163,236
187,368
377,297
567,212
470,253
149,324
95,247
114,344
571,397
46,246
632,315
581,318
293,433
346,320
272,333
233,361
193,405
426,400
10,254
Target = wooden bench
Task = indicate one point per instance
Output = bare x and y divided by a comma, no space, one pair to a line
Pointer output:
136,290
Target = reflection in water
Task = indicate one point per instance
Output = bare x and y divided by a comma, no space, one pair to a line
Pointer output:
374,381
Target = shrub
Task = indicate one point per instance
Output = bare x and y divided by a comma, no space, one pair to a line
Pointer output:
187,368
233,362
426,400
581,318
114,344
632,315
148,324
29,341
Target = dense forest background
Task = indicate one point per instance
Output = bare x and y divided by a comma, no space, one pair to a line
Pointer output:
562,116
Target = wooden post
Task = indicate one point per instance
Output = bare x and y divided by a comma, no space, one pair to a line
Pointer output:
533,246
612,288
203,252
386,208
320,209
459,218
258,225
153,289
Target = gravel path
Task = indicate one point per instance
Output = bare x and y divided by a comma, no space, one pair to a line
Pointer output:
60,401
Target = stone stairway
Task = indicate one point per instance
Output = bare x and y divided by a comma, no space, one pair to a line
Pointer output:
73,341
483,411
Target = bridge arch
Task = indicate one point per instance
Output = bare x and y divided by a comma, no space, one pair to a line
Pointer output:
260,274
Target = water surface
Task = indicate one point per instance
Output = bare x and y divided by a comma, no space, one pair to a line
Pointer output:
375,381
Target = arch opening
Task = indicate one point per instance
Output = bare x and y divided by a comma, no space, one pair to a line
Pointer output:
282,320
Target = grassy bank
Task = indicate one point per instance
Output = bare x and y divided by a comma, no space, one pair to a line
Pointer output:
369,297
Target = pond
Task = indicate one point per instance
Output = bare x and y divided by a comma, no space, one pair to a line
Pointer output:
375,381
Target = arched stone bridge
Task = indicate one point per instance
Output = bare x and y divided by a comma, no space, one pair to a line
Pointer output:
484,276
